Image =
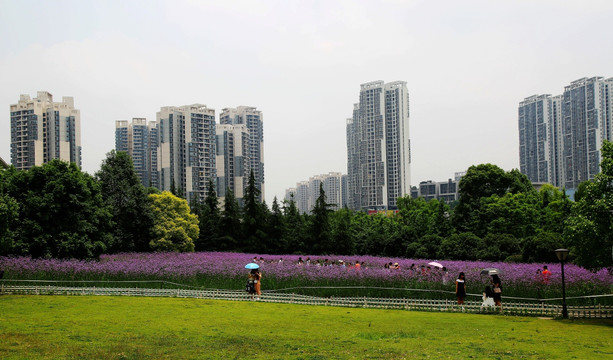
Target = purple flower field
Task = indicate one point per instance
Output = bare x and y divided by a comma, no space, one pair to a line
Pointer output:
226,270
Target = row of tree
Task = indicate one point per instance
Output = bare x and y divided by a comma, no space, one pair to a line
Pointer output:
56,210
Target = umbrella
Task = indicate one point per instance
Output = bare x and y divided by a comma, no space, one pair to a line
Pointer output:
490,271
434,263
251,266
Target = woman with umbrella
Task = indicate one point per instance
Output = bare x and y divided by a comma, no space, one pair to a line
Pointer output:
496,285
497,289
253,279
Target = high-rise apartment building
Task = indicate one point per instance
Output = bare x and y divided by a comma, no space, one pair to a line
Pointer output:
290,194
560,137
314,183
333,187
232,161
306,193
139,139
43,130
253,120
539,119
187,150
378,147
302,197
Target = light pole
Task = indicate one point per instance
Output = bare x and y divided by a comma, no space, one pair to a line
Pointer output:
562,254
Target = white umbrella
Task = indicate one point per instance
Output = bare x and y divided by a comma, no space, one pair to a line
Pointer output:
434,263
490,271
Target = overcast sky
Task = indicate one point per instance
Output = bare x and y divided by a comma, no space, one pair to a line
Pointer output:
467,65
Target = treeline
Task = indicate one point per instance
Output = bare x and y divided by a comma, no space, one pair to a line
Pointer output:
56,210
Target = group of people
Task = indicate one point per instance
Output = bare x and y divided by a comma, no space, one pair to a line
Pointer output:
492,296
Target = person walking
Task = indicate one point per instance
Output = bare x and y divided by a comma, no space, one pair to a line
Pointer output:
546,275
497,290
460,289
257,282
251,278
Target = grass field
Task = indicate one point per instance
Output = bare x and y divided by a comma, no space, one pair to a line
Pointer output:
87,327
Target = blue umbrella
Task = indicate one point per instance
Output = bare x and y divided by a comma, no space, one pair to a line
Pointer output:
251,266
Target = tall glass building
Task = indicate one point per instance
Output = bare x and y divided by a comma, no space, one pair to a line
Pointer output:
43,130
379,147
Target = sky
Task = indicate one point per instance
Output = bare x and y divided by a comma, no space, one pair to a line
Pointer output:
467,65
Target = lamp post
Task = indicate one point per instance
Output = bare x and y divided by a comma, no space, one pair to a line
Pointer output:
562,254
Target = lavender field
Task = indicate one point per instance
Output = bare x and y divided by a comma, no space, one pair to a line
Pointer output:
226,271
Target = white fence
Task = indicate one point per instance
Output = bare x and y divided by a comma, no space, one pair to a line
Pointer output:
514,308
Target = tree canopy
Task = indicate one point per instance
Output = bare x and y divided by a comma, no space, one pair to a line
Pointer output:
175,227
127,199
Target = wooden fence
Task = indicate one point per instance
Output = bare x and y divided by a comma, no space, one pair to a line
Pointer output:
512,308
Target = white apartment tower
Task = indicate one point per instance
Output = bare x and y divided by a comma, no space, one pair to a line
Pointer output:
232,161
560,137
378,147
305,193
587,119
187,149
302,197
333,187
43,130
253,120
139,139
539,138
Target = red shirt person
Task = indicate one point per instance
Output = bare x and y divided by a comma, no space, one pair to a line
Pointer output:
546,275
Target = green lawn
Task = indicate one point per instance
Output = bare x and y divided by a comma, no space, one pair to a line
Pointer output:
91,327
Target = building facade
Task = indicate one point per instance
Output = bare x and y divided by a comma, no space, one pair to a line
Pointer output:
43,130
187,149
232,161
446,191
560,137
253,120
540,139
378,147
139,139
306,193
302,197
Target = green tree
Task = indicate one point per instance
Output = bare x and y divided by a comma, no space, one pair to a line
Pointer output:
61,212
294,235
127,198
589,231
426,247
9,213
515,214
484,181
342,239
230,227
464,246
254,225
276,230
210,218
498,247
422,218
320,224
555,208
540,247
175,227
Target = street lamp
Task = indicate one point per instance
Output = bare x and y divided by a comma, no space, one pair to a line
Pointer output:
562,254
